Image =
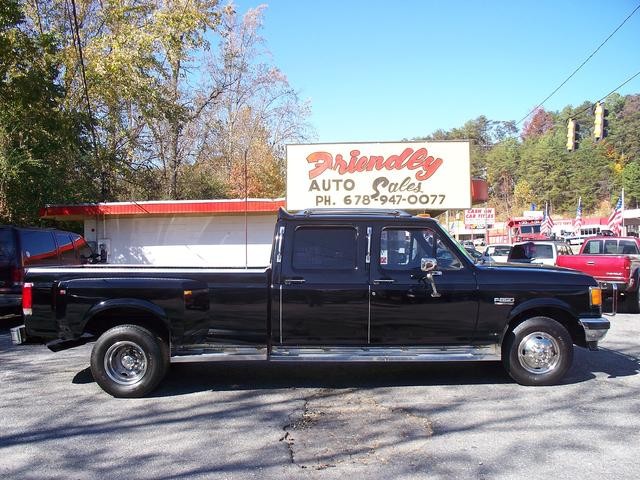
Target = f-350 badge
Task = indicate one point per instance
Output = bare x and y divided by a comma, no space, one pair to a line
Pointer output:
504,301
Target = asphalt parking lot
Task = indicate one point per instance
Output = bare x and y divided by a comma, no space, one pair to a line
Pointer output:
323,421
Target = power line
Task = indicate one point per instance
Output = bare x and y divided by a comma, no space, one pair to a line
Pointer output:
612,91
581,65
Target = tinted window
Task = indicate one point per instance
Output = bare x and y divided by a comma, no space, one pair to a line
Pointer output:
518,253
404,249
542,251
65,246
593,247
317,248
611,247
83,248
38,248
530,229
501,251
628,247
7,245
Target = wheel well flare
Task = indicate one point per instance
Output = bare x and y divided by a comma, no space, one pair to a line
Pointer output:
103,321
557,314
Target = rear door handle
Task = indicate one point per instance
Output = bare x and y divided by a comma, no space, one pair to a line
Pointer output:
291,281
383,280
591,263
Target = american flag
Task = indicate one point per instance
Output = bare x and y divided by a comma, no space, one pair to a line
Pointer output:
577,223
615,219
547,223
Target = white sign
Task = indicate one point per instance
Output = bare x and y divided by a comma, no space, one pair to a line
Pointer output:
533,214
412,175
480,216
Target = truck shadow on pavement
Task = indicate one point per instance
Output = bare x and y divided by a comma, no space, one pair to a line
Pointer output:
184,379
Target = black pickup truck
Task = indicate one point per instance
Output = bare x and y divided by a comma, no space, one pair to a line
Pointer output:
341,286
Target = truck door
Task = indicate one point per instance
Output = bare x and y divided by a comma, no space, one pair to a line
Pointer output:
404,309
322,288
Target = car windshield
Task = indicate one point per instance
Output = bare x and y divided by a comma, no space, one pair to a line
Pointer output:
530,228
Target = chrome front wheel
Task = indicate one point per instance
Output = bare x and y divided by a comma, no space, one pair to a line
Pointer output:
539,353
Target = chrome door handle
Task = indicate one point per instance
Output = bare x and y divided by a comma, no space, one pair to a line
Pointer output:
291,281
383,280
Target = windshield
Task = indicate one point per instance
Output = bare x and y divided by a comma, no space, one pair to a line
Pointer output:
530,229
461,250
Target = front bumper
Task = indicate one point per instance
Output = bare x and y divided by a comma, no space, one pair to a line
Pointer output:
595,330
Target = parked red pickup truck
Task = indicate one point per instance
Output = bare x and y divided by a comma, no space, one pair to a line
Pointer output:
611,261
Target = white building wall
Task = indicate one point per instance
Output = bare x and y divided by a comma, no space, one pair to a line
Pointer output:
183,240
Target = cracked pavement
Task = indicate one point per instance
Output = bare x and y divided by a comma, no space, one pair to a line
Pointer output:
255,420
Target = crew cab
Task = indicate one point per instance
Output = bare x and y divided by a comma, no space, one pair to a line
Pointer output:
342,286
615,263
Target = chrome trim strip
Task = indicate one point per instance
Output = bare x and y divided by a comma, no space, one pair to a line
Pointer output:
386,354
369,319
223,355
145,269
280,313
368,257
279,249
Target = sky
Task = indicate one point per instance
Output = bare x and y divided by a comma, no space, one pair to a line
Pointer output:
386,71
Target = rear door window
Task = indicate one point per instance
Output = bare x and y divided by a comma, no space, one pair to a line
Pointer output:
7,245
65,246
593,247
318,248
611,247
83,249
38,248
628,247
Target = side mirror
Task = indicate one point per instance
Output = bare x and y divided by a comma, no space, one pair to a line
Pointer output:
428,264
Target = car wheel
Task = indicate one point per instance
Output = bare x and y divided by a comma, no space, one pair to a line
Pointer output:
129,361
538,351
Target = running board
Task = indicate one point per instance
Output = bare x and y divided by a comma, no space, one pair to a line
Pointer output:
226,354
386,354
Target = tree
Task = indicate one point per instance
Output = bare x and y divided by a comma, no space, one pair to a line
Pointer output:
538,124
41,146
256,116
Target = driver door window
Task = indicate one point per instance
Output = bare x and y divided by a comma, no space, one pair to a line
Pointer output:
402,249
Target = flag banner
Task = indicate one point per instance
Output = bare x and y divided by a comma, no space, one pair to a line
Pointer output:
547,224
577,224
615,219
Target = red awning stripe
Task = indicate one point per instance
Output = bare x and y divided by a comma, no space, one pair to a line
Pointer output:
163,208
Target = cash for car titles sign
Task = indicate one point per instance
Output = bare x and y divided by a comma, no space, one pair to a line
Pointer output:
479,216
410,175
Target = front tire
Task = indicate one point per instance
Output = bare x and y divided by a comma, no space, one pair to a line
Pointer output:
129,361
538,351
